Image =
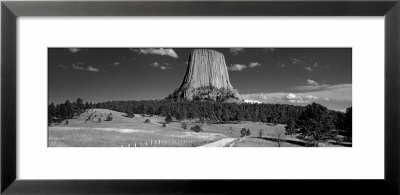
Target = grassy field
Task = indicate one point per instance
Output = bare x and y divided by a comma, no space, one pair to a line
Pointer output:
121,131
258,142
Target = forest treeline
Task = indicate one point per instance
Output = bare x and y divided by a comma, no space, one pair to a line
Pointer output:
215,112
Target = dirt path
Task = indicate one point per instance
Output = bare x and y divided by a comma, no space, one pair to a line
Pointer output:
221,143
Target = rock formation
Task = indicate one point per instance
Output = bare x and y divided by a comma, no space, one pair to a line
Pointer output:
206,79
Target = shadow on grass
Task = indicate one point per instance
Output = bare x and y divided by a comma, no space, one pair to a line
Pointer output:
299,142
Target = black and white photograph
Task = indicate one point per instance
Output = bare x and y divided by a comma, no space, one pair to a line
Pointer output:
199,97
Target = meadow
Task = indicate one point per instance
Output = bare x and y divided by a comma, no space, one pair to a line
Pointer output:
92,129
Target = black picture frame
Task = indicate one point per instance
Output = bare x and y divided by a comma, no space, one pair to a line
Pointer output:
11,10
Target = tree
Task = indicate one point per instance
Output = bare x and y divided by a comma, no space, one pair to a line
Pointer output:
260,133
201,120
348,127
168,119
150,110
147,121
164,125
315,123
262,117
226,115
109,117
63,113
196,128
80,107
131,115
239,116
51,113
245,132
69,112
178,116
290,127
184,125
275,121
279,134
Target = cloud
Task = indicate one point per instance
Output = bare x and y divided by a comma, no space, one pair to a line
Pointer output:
162,66
300,99
74,50
183,63
283,65
254,64
311,82
236,51
155,64
240,67
237,67
335,97
312,85
295,60
308,68
61,66
116,63
315,65
281,98
92,69
154,51
79,66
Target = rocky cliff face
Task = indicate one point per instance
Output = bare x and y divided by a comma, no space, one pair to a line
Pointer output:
206,78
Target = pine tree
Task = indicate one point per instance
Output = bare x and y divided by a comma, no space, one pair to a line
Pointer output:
290,127
348,126
80,107
315,123
168,119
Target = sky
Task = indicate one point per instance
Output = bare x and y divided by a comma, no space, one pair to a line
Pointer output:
295,76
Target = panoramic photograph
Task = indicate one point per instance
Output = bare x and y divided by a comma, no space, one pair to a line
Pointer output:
199,97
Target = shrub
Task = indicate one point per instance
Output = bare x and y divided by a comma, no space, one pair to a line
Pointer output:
202,120
196,128
184,125
245,132
260,133
130,115
164,125
168,119
66,122
147,121
99,120
109,117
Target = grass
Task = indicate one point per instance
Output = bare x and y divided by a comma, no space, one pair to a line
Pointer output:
86,131
124,131
96,138
259,142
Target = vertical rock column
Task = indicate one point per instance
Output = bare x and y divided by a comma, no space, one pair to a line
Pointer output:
206,78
